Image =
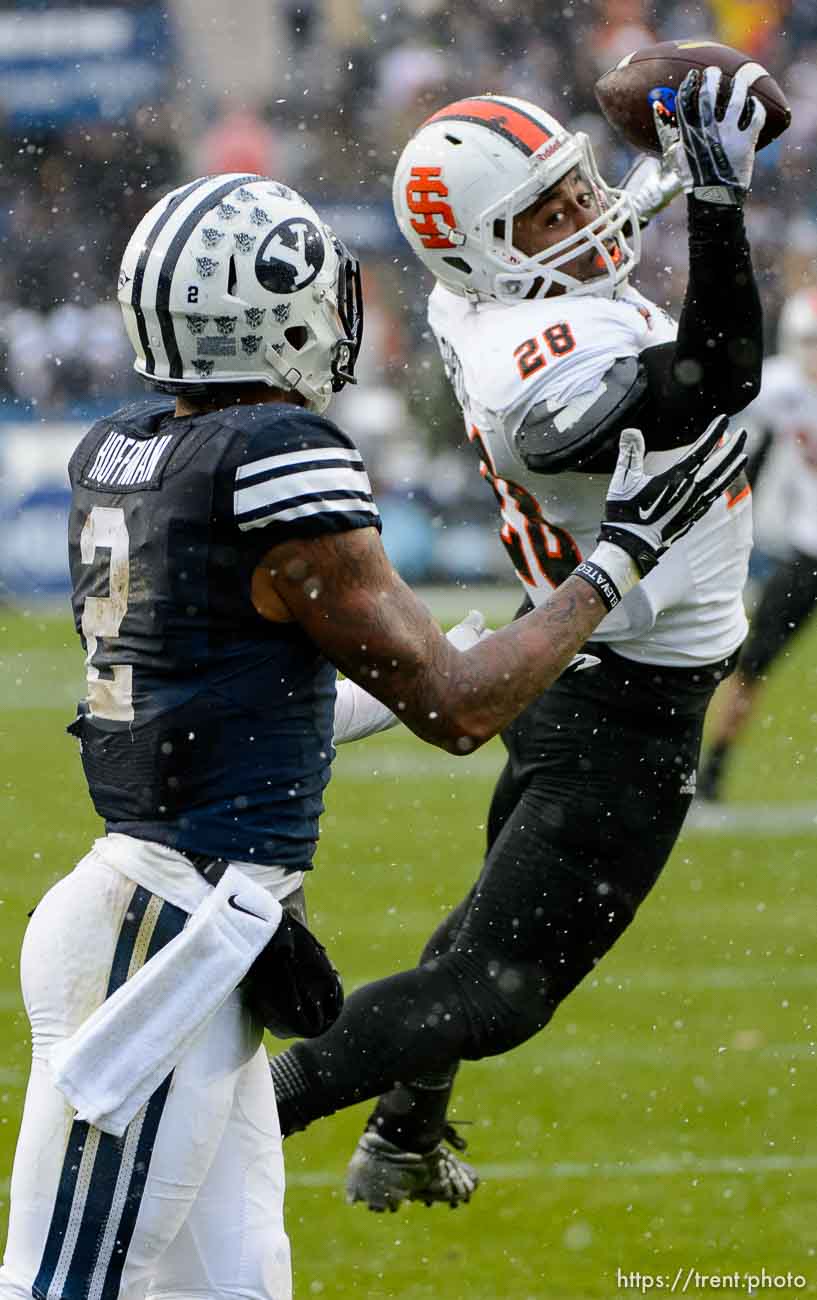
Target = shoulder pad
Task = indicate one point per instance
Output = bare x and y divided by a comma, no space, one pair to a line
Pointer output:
552,439
142,411
285,427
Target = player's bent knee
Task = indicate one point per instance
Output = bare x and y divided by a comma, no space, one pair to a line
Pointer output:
505,1003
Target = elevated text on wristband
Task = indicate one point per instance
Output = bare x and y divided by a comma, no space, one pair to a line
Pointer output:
600,581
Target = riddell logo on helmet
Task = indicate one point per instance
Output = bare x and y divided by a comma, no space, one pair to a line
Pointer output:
425,192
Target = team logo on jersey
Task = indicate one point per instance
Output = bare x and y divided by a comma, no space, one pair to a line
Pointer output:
425,195
291,256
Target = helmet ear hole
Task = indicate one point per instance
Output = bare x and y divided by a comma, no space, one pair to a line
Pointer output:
459,264
297,336
232,277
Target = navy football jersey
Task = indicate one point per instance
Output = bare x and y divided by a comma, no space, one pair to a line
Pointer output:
206,727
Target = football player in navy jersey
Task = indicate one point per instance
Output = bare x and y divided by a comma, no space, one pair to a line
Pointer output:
226,559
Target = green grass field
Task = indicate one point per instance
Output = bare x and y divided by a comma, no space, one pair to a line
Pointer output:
663,1122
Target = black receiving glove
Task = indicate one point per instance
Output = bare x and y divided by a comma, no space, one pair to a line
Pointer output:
646,513
714,155
292,985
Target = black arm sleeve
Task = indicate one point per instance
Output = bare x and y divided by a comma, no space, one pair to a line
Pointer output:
714,365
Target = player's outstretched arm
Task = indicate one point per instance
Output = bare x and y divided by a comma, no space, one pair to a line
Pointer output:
343,591
715,363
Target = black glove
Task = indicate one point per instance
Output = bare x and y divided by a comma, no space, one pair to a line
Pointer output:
292,985
717,152
646,513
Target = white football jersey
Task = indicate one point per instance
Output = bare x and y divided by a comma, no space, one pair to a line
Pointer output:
502,360
786,495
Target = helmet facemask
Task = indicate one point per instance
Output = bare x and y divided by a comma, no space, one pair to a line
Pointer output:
614,235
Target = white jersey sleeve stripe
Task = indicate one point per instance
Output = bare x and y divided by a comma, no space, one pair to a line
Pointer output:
343,506
269,464
315,481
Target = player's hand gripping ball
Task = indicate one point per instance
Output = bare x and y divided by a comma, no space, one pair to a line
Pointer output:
627,92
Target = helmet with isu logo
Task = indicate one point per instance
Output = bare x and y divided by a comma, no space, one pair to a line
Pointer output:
474,166
234,280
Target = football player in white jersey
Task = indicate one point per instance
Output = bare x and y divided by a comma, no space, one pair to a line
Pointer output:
551,352
785,415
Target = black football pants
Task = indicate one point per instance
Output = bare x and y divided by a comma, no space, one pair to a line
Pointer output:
787,600
599,777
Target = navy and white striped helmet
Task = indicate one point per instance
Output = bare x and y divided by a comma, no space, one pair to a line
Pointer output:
235,279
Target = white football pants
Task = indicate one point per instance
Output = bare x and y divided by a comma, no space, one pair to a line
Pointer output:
189,1202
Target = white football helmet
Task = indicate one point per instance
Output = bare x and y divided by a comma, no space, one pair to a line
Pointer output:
797,331
235,279
474,166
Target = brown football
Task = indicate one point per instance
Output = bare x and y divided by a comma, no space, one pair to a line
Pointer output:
625,93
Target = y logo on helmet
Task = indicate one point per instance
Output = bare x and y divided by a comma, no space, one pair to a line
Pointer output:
425,195
291,256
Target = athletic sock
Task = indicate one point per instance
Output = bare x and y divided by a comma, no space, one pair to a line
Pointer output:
291,1085
412,1115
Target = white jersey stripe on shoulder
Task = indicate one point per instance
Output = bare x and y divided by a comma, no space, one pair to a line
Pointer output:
298,458
344,506
274,491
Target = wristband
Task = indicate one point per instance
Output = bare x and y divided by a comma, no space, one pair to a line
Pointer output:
601,582
618,564
726,195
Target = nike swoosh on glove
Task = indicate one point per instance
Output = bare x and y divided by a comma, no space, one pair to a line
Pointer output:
646,513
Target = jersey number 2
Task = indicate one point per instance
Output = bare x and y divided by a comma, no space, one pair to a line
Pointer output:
110,696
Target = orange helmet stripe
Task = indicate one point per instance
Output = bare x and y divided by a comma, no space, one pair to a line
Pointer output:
518,127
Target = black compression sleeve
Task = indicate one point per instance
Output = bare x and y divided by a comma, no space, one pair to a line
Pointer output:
714,365
717,357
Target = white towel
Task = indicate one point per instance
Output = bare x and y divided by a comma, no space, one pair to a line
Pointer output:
121,1054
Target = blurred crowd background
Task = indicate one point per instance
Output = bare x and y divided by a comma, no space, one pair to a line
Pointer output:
104,106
